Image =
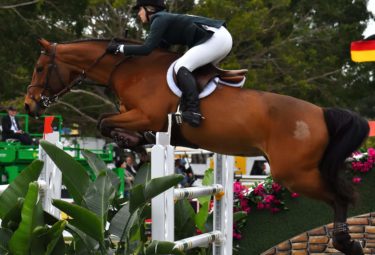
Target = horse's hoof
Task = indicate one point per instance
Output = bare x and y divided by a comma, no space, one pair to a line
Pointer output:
356,249
348,248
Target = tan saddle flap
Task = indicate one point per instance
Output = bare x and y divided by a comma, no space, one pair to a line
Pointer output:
206,73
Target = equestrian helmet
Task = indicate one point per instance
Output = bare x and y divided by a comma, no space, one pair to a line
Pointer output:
156,3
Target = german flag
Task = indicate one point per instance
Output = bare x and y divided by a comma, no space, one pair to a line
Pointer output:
363,51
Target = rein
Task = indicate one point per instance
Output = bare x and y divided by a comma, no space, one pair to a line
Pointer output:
46,101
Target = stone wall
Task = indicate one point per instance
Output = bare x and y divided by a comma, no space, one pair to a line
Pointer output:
318,241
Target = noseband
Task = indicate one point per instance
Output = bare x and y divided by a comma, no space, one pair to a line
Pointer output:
46,101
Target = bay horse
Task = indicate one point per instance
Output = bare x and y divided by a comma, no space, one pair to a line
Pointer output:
306,145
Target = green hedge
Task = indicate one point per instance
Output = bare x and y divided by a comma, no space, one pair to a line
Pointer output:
264,230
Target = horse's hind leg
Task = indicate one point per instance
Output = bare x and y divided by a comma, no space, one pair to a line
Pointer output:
311,184
341,238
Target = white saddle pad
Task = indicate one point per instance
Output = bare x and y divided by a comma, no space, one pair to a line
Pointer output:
206,91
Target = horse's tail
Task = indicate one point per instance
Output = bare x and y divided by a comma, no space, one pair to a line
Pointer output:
347,131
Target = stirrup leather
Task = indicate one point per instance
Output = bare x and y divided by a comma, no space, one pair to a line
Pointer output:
178,117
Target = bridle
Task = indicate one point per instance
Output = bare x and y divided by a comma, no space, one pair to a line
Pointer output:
46,101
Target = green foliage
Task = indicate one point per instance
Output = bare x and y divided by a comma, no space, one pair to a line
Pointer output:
96,203
23,234
19,187
95,207
296,47
24,222
75,176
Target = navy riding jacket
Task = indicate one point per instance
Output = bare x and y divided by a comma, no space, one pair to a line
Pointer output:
174,29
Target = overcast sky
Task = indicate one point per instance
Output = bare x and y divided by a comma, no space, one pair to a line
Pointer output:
371,26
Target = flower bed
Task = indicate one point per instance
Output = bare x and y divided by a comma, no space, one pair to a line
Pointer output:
362,163
270,196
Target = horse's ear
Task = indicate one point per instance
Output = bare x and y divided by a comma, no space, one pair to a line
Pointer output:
44,43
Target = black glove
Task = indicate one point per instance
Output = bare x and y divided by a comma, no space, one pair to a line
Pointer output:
113,48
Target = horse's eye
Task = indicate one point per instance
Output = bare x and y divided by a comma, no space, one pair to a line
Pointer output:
39,69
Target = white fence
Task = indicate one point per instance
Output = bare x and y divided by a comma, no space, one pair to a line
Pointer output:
162,164
50,178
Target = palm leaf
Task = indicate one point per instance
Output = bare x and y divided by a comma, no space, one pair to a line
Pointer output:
158,185
18,188
23,234
100,195
119,221
5,235
14,214
55,235
95,163
74,174
83,219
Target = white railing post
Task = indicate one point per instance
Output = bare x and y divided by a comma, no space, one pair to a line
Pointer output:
223,207
162,207
50,176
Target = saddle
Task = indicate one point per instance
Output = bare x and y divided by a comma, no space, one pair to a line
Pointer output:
207,72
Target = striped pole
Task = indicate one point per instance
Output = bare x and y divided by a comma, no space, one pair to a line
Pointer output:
194,192
201,240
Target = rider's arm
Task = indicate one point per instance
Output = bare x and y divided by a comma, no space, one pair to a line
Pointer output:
153,40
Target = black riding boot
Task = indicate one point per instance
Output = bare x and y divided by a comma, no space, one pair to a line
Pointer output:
189,100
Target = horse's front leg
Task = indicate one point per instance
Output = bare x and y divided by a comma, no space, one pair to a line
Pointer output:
124,127
105,131
341,238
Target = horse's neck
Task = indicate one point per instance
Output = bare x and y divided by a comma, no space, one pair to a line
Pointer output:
81,56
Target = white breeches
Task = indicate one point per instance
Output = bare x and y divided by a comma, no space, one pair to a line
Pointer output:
212,51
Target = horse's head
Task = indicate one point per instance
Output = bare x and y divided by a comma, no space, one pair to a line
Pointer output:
50,79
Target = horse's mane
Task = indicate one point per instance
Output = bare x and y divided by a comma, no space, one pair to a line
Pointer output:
124,40
121,40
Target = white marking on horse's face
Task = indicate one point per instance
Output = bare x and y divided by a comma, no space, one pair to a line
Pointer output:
302,130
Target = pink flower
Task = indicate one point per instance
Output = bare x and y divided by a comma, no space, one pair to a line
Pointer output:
371,152
275,210
356,179
294,195
259,190
276,187
269,198
276,202
260,206
244,203
237,187
237,236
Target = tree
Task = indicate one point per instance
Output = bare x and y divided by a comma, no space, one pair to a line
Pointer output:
298,47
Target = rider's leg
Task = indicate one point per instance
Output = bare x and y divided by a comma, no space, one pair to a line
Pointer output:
211,51
189,101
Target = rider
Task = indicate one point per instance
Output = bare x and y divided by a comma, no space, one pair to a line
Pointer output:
207,39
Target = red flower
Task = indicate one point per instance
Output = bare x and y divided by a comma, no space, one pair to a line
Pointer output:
294,195
356,179
276,187
259,190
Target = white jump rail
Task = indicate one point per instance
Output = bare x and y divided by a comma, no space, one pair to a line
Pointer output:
50,178
162,206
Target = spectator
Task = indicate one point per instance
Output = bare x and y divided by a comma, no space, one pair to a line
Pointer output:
143,158
130,165
258,168
11,128
179,168
129,173
186,172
